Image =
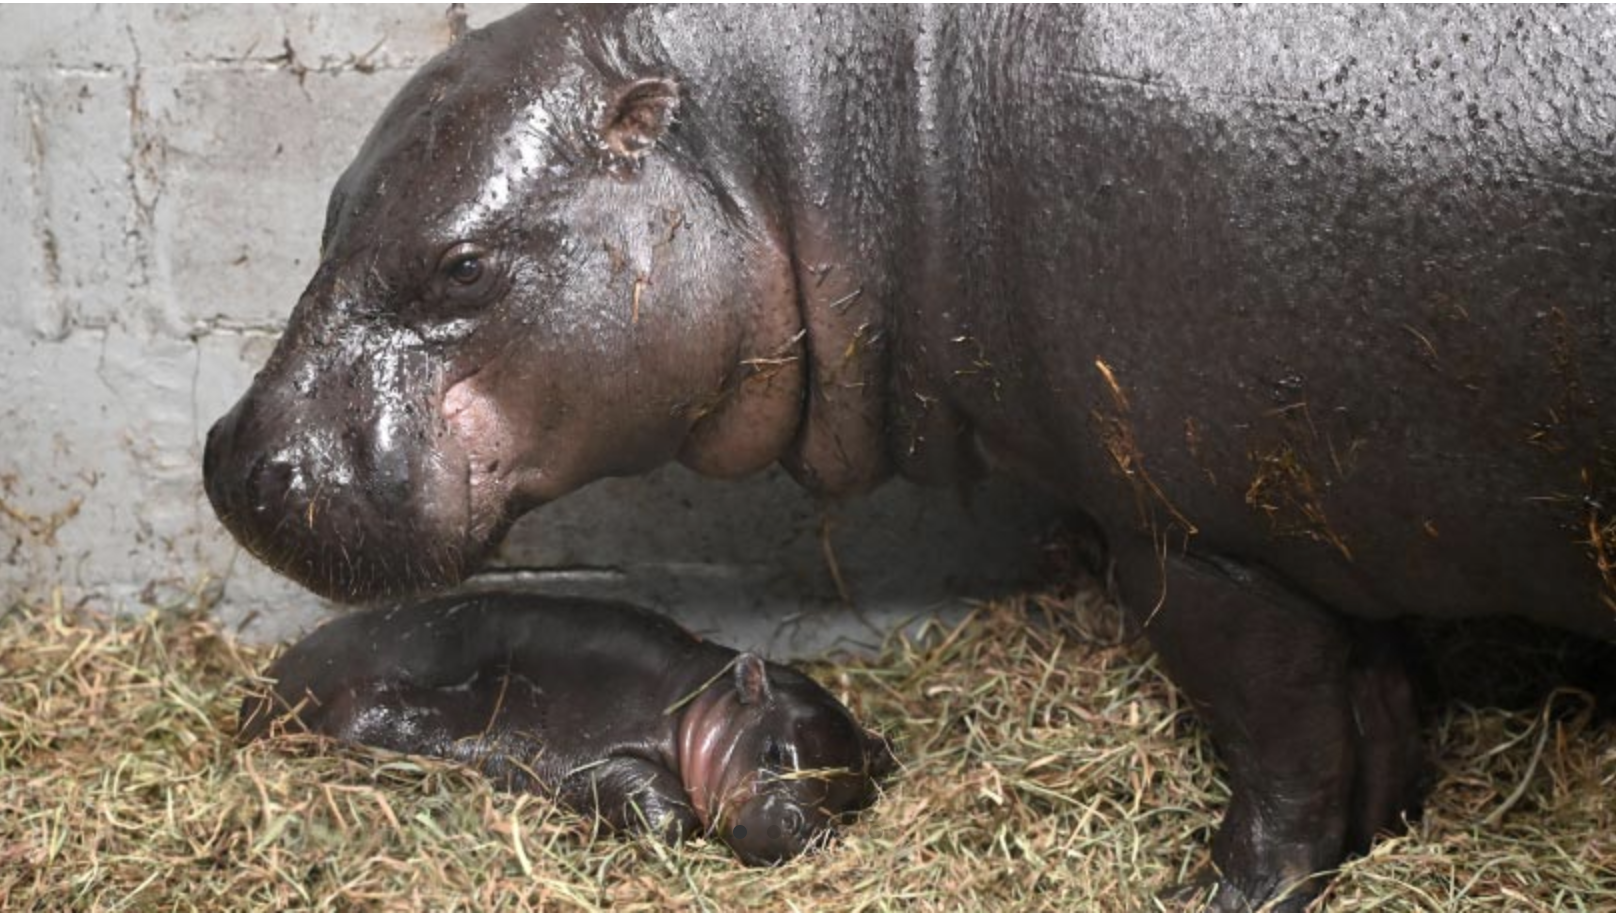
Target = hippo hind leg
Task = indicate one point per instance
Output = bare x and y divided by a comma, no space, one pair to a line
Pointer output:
1316,735
1390,772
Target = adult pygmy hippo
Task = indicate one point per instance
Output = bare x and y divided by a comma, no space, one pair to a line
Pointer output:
615,710
1310,311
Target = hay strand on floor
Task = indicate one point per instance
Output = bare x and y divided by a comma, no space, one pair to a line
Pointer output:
1043,770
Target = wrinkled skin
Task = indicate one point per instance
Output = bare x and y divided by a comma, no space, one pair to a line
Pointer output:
616,711
1310,312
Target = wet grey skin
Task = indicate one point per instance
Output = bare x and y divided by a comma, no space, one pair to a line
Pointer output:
613,710
1309,313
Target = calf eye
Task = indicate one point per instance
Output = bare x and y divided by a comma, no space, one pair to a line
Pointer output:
773,754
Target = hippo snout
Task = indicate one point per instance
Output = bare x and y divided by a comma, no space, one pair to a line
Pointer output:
237,480
256,487
254,483
244,482
334,503
771,829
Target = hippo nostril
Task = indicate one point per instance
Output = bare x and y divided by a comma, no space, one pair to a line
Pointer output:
271,482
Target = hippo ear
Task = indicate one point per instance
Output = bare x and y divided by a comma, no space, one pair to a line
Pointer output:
639,115
751,680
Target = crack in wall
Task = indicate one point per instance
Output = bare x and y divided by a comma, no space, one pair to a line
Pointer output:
50,251
143,173
266,64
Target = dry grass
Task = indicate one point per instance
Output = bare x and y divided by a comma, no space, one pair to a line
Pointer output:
1044,770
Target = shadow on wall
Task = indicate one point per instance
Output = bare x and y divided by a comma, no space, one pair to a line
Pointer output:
759,564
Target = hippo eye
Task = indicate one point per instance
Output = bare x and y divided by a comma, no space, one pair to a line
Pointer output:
466,270
782,757
466,266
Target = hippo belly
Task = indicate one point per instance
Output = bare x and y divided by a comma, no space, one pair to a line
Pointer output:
1347,329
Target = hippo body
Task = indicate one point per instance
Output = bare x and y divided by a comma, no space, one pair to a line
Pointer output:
615,710
1309,312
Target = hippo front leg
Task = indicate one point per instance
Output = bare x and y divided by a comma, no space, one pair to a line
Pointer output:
631,793
1276,677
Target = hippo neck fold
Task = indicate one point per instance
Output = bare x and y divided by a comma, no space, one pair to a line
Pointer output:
754,417
709,729
835,181
813,369
840,448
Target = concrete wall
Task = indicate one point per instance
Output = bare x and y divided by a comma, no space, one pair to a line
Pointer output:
163,173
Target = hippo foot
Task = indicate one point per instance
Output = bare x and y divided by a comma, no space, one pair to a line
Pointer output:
1313,714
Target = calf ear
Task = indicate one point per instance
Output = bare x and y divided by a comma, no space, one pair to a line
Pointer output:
751,679
638,115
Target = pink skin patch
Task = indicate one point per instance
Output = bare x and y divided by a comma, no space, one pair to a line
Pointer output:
479,427
707,742
472,416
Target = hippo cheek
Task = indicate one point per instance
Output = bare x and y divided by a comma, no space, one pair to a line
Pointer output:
500,482
537,429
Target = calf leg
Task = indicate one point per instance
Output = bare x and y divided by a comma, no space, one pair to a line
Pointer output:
633,794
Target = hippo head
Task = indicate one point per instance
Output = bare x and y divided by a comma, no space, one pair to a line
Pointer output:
533,275
771,761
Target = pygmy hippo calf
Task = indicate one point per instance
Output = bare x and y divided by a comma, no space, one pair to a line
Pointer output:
614,710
